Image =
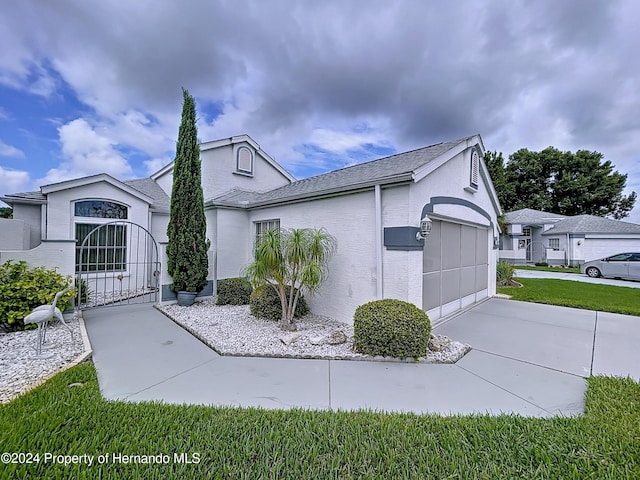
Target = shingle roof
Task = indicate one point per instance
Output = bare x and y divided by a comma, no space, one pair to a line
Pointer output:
393,168
592,224
27,196
148,186
529,216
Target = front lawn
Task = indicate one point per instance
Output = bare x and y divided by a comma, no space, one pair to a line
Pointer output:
549,269
249,443
567,293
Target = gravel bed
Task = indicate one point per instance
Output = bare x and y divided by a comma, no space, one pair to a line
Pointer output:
21,368
107,298
232,330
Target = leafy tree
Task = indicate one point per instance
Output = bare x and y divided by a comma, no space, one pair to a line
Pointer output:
291,258
6,212
560,182
188,263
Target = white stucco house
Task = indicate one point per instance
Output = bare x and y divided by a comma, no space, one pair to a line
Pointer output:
374,209
535,236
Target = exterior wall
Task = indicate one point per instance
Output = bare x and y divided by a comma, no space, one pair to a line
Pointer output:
14,234
58,254
352,270
219,173
165,182
32,216
159,224
60,218
396,264
219,167
233,238
511,252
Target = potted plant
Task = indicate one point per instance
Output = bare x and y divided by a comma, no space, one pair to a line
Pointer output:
187,249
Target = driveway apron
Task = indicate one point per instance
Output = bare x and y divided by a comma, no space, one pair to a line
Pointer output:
526,359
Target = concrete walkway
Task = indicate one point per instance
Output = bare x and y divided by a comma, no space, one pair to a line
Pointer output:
527,359
576,277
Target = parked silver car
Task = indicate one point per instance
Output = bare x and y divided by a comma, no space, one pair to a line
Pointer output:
622,265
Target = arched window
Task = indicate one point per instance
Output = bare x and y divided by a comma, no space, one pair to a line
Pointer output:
108,251
244,161
100,209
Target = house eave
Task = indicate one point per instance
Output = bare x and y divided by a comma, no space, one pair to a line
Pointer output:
404,178
29,201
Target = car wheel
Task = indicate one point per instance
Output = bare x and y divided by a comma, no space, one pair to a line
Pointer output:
593,272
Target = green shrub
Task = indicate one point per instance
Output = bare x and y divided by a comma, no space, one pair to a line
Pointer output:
391,328
541,264
85,291
504,273
22,289
233,291
265,303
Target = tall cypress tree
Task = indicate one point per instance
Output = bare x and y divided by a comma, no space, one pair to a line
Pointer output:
188,263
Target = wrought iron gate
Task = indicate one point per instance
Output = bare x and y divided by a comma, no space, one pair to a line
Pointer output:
536,252
117,263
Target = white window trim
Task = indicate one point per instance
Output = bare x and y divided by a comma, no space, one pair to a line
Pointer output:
98,221
242,171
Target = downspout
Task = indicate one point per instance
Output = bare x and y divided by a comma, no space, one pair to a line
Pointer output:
379,233
569,248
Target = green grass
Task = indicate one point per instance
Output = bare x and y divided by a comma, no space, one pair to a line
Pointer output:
298,444
590,296
549,269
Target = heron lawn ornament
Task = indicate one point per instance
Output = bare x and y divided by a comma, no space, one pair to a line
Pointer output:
41,316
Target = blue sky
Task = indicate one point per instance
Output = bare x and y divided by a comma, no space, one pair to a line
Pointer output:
89,87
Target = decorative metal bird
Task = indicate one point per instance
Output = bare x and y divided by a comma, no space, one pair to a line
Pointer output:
41,316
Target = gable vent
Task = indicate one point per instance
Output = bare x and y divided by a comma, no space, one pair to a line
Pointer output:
475,168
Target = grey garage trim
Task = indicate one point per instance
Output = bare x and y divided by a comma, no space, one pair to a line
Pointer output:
428,208
402,238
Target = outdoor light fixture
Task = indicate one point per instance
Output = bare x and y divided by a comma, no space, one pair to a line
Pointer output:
425,228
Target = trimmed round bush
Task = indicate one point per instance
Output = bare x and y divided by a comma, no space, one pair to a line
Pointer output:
265,303
233,291
391,328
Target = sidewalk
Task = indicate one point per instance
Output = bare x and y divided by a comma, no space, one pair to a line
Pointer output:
527,359
576,277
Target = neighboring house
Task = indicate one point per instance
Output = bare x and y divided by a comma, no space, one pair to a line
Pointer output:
375,210
535,236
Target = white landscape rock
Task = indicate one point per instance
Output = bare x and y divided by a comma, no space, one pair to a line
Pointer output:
289,338
21,368
232,330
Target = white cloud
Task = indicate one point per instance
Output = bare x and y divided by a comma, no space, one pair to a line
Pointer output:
155,164
13,181
86,152
10,151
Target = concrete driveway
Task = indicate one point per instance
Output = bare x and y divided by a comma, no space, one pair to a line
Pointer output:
527,359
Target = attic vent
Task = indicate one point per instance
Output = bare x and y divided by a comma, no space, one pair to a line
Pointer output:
475,168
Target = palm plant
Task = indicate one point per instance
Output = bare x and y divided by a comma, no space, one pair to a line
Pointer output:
295,258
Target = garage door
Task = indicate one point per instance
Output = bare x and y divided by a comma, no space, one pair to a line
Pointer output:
456,265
